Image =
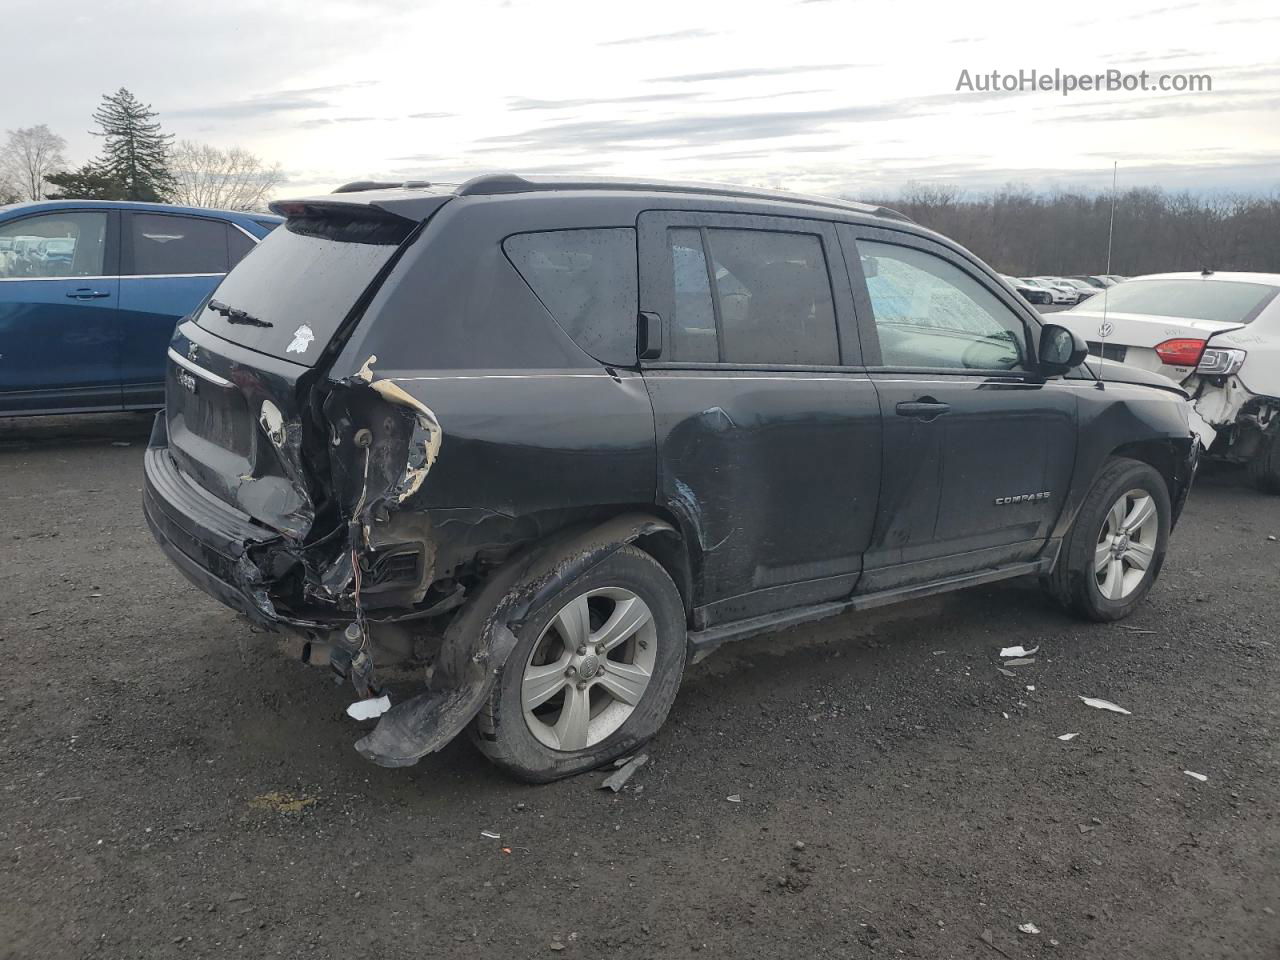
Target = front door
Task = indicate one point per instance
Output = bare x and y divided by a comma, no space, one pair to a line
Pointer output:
58,313
768,434
978,447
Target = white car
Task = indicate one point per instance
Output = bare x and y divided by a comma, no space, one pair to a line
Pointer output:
1058,292
1217,334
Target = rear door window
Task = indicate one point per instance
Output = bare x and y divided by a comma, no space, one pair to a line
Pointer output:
168,245
290,297
769,291
587,281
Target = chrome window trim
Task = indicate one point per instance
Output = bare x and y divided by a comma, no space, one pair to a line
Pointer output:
198,370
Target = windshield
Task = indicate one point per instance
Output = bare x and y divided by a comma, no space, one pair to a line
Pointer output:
1222,301
288,296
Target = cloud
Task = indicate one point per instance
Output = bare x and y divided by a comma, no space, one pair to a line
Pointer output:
650,38
280,101
530,103
431,115
744,72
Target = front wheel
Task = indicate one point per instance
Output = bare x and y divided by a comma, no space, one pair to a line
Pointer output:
1117,544
594,672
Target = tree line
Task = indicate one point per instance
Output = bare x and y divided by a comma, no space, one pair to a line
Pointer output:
1025,233
138,161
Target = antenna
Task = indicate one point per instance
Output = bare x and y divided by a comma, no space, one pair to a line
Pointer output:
1103,330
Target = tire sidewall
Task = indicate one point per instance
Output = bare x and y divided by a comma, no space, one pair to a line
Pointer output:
521,753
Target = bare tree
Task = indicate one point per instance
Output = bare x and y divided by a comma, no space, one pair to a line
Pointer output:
29,156
233,179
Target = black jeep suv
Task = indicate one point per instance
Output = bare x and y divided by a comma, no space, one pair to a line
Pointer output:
551,440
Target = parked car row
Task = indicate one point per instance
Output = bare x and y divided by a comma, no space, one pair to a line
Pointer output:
1216,334
90,293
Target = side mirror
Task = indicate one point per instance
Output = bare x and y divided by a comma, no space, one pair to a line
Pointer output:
648,336
1060,350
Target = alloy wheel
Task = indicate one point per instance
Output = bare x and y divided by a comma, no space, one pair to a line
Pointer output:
1126,544
589,669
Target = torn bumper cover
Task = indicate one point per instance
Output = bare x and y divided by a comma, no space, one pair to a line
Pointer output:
206,539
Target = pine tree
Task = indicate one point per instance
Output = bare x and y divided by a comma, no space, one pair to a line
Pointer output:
135,153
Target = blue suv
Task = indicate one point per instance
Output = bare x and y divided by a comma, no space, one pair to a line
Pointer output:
90,292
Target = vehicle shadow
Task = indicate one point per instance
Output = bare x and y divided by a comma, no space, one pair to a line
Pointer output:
26,432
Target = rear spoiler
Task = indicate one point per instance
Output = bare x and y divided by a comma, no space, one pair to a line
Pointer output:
404,204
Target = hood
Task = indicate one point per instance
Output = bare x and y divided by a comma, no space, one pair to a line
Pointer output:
1113,372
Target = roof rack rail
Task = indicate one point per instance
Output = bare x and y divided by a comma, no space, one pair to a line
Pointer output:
359,186
494,184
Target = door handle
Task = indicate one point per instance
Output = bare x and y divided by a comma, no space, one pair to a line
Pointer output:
926,408
85,293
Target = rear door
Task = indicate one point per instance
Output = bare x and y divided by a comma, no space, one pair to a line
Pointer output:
768,432
978,447
59,295
171,263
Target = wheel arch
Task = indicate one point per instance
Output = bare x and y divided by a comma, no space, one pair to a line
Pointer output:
1174,459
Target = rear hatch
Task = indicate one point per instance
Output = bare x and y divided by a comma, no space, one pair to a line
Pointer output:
243,366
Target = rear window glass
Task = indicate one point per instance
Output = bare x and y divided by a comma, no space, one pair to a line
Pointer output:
303,280
587,280
1224,301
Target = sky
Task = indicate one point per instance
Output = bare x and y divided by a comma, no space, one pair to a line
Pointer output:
854,98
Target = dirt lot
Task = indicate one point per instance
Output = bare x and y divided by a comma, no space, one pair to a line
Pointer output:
173,786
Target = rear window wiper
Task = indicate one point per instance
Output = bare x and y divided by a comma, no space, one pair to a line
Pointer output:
236,315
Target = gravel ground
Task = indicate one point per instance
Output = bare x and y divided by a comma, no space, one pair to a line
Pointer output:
173,785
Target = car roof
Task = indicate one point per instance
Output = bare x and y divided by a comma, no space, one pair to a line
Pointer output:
414,200
1271,279
136,205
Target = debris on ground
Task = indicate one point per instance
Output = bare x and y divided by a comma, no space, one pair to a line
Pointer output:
1007,673
986,938
734,798
1031,688
798,845
370,708
619,777
490,835
279,802
1020,662
1067,736
1196,776
1104,705
1018,651
556,945
1028,928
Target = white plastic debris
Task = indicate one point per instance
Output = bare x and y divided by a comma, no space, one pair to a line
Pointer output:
490,835
1007,673
1195,776
734,798
1018,651
1028,928
1031,688
1104,705
619,777
1068,736
370,708
1020,662
1005,715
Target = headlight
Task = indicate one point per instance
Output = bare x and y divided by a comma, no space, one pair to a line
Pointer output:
1220,362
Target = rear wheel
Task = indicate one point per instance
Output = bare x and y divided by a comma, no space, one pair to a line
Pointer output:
1264,468
1117,544
593,674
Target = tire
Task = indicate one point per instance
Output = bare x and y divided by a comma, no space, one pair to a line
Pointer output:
505,732
1264,468
1075,581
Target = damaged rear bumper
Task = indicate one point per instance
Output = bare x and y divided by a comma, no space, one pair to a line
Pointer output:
205,538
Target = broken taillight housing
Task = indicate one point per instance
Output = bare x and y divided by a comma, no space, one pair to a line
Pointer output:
1220,362
1180,353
